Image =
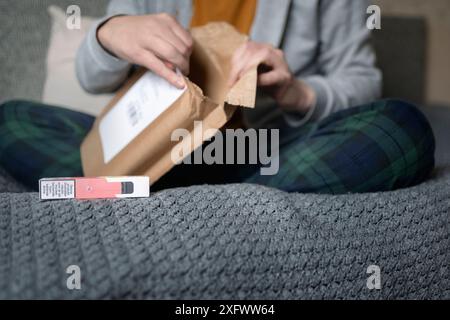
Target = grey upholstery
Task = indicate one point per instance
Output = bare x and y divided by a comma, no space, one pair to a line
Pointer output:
228,242
234,241
401,52
439,117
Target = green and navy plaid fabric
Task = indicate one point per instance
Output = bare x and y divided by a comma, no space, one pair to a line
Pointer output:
38,140
376,147
382,146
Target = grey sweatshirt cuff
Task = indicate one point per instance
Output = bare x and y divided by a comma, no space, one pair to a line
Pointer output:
321,107
104,59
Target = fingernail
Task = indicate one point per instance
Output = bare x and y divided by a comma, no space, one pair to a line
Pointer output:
181,83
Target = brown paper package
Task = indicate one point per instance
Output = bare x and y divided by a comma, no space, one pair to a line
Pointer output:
207,99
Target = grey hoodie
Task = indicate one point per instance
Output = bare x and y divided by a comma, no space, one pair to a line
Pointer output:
326,44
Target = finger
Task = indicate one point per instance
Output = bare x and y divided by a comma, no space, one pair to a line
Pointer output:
167,52
185,37
175,40
169,65
236,71
153,63
180,58
239,53
268,58
239,63
250,60
271,78
178,30
278,72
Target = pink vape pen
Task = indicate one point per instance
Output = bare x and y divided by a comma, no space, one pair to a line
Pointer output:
94,188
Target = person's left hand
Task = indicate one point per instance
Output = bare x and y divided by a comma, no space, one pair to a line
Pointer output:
273,75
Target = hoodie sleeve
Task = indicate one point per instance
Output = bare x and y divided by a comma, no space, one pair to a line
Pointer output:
347,73
97,70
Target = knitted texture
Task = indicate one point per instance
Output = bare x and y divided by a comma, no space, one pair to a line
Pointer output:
228,242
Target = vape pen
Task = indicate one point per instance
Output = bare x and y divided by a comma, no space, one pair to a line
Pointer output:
94,188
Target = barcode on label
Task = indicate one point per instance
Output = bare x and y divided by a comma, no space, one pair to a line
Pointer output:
134,113
144,102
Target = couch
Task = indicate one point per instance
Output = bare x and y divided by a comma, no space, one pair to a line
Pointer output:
227,241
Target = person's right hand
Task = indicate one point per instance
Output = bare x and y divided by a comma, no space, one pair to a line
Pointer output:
157,42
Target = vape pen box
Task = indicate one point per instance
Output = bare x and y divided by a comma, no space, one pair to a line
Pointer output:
94,188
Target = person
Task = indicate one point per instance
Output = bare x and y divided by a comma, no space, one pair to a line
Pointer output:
317,83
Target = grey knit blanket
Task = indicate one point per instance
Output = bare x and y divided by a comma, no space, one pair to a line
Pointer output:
228,242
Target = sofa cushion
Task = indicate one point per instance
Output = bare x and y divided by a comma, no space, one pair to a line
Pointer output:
404,71
61,85
24,29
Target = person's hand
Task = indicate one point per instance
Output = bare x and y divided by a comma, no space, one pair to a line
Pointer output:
157,42
273,75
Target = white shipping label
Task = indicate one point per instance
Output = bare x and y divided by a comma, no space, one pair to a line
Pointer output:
56,189
146,100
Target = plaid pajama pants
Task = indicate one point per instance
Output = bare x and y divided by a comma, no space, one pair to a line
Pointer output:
380,146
